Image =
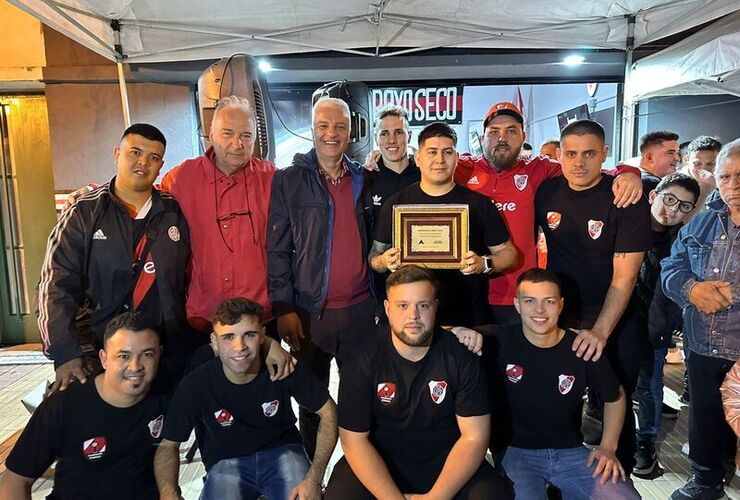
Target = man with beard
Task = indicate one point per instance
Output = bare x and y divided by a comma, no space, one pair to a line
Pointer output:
414,414
247,437
511,183
103,433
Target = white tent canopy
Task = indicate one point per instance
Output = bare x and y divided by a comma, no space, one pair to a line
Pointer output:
171,30
707,62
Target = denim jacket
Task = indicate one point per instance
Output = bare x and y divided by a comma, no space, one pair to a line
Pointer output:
692,260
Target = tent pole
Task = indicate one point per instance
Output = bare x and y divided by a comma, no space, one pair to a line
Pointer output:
115,25
628,106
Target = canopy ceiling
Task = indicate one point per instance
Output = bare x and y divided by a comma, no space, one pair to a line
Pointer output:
176,30
707,62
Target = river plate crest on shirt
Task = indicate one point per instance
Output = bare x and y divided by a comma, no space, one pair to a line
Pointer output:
438,390
565,383
520,181
270,408
386,392
594,228
155,426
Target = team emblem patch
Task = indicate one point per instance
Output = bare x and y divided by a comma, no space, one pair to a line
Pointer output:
387,392
155,426
271,408
438,390
173,233
553,220
565,383
520,181
594,228
94,448
223,417
514,373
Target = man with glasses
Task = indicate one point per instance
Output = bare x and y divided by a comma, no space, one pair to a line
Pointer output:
671,204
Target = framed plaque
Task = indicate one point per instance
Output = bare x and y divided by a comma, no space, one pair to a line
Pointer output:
434,236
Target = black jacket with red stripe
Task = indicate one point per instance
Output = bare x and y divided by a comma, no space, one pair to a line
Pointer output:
88,275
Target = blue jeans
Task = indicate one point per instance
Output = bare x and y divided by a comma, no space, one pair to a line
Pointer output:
532,470
272,473
649,393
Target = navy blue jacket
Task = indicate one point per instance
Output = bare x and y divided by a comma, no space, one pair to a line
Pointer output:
300,229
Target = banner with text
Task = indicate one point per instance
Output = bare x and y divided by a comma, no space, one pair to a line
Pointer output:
424,105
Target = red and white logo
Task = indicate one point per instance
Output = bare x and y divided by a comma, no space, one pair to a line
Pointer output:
520,181
174,233
94,448
155,426
271,408
387,392
553,220
565,383
223,417
594,228
514,373
438,390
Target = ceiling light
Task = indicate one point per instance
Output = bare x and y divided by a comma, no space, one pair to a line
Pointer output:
573,60
265,66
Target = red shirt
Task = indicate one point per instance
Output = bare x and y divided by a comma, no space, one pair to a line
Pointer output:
206,195
347,268
513,193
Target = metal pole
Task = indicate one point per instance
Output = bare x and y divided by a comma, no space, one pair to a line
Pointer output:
123,89
628,107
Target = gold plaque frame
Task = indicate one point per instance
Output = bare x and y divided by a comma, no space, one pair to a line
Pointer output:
445,226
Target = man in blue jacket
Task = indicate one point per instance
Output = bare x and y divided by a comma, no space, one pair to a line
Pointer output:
701,276
319,284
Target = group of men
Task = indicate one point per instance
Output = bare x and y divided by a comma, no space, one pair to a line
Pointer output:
232,252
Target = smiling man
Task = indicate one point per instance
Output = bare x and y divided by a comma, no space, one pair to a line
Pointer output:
247,432
103,433
123,247
596,249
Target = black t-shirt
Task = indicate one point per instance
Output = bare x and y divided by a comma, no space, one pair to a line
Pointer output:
238,420
584,229
103,451
409,408
544,386
463,300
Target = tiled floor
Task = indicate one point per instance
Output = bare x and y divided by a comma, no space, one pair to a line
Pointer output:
17,380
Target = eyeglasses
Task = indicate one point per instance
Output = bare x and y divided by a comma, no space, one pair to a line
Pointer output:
220,219
684,206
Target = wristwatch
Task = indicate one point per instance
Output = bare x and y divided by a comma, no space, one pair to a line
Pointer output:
487,264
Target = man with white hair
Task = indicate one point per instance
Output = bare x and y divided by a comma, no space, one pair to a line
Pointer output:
702,276
318,237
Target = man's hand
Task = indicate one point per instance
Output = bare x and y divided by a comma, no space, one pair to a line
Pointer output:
589,345
290,330
279,363
391,259
607,465
711,296
72,197
306,490
371,160
627,189
469,338
473,264
74,369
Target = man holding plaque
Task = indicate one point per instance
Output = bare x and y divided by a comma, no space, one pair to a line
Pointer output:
463,286
597,249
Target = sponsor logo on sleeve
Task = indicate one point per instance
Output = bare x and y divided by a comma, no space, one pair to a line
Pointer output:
594,228
565,383
270,408
155,426
473,181
553,220
438,390
94,449
514,373
174,233
377,200
223,417
520,181
387,392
